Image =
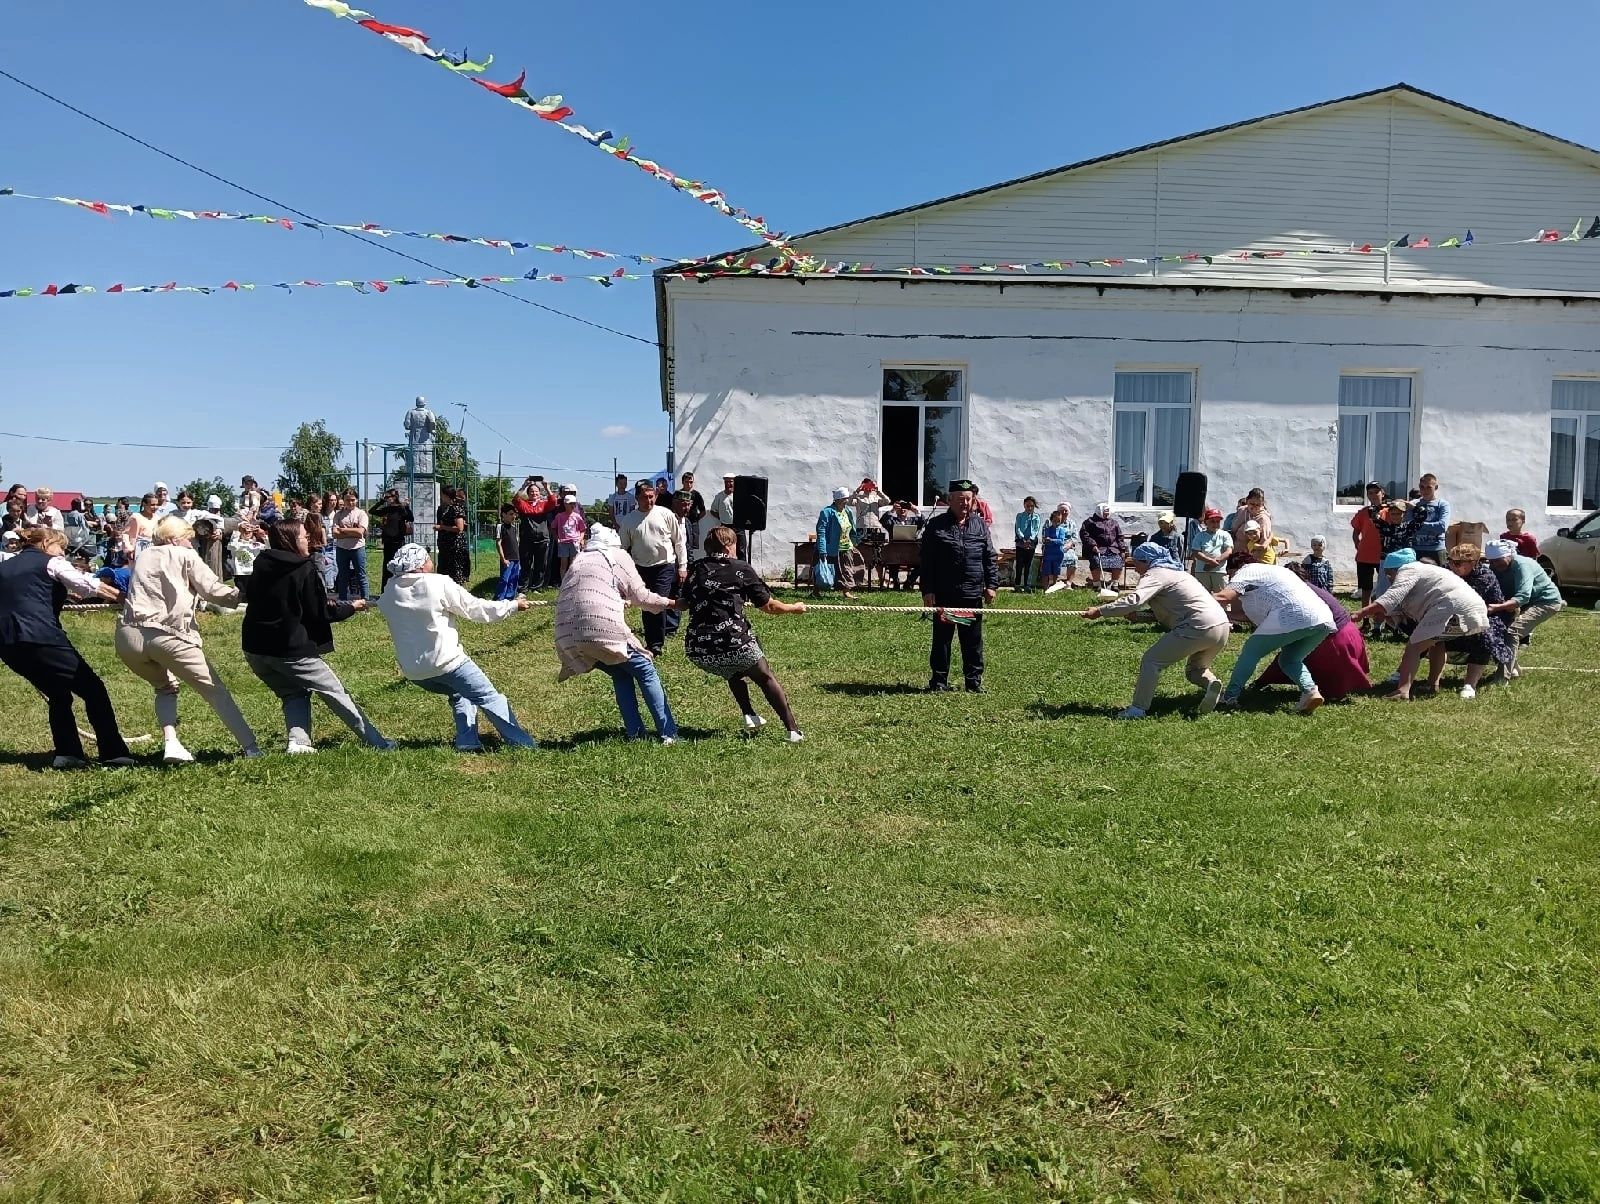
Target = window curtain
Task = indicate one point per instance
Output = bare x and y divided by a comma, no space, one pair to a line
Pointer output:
1169,454
941,449
1128,437
1375,392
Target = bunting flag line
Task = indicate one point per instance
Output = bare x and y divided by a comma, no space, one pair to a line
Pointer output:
745,265
110,209
554,110
360,286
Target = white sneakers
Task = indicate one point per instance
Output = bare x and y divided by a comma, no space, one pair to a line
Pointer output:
1309,701
174,753
795,737
1208,700
1468,693
295,748
754,722
668,741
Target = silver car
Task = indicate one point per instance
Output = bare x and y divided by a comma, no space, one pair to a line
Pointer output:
1572,555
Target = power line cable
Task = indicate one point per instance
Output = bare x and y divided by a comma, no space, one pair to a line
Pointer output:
260,196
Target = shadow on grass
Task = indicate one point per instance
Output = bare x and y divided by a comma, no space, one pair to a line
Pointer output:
613,735
867,689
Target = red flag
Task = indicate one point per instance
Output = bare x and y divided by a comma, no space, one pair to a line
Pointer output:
399,31
1364,249
50,290
379,285
620,272
1549,235
233,285
1422,242
169,286
98,207
115,288
286,223
514,88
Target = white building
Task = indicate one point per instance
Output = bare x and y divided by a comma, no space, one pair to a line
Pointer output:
1305,374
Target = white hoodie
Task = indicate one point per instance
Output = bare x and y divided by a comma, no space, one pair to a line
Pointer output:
417,607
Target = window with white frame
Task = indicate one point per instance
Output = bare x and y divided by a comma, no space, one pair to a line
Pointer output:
921,431
1374,436
1574,445
1152,421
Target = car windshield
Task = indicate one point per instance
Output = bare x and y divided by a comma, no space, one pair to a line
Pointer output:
1589,528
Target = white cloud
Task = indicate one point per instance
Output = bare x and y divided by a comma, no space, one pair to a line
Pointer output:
615,432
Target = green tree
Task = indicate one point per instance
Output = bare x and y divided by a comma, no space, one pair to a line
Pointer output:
200,490
311,461
493,492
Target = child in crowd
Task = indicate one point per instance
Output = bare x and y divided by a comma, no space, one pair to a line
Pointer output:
1527,545
570,528
1168,536
1251,548
1028,528
1210,551
506,543
1059,559
1319,569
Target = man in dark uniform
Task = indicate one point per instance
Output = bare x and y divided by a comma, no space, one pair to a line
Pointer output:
959,569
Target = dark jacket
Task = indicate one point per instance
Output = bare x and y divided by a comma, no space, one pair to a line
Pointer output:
30,600
958,559
289,614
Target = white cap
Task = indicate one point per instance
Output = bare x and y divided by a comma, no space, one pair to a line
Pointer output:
162,485
840,494
213,502
12,534
1252,525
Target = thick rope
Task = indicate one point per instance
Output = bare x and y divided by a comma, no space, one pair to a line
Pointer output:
964,612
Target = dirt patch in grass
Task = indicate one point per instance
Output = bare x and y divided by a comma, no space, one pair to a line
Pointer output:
960,927
890,828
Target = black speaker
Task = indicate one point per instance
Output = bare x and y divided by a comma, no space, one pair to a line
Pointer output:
750,503
1189,499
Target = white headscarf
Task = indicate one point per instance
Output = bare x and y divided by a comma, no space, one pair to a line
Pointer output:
1103,509
602,538
410,558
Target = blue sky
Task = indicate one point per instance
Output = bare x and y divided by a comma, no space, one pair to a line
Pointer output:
808,115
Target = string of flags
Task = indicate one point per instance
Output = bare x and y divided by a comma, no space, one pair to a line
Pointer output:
554,110
361,286
747,265
511,245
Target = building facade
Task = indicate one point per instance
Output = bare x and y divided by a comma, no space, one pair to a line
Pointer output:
952,345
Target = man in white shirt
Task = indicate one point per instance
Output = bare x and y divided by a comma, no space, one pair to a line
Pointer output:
164,507
721,510
621,502
654,537
42,513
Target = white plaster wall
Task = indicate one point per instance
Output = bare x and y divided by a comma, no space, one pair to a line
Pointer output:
753,395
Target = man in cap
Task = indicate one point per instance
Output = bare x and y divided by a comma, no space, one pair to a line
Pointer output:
959,569
1530,594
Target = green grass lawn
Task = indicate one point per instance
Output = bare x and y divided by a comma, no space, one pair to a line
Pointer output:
954,947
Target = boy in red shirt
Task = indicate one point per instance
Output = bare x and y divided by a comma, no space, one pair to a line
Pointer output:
1527,545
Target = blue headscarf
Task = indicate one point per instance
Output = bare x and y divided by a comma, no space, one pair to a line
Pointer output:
1395,561
1156,556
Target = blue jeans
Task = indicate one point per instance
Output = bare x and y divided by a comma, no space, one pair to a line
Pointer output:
468,688
1292,648
510,574
640,670
352,574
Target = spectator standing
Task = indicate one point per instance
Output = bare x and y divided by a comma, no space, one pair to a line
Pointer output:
395,525
1254,509
1058,561
1104,547
570,526
450,527
721,510
621,502
1028,528
654,538
138,529
1428,521
1368,540
1210,551
1516,522
506,544
350,548
985,511
43,512
75,525
535,504
959,569
164,507
835,526
1318,569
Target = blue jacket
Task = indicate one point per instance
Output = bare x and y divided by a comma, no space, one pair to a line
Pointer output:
833,526
1428,523
958,559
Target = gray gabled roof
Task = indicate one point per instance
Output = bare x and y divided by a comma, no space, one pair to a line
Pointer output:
1400,89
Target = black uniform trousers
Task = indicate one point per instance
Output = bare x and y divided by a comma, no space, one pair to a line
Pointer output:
58,672
971,637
